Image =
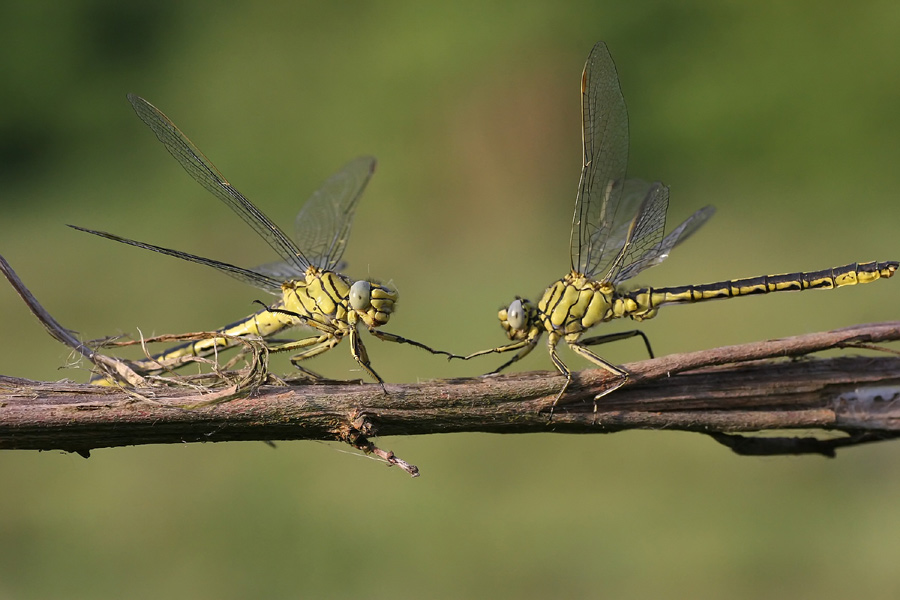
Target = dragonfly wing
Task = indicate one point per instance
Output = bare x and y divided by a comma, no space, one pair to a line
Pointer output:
284,271
206,174
632,195
279,270
323,225
599,210
259,280
660,251
643,232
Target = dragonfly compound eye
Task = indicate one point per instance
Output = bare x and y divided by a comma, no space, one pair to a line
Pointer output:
361,295
515,315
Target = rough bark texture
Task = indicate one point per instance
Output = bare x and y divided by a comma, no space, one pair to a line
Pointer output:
719,392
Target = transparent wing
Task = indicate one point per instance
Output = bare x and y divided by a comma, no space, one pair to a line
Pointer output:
643,232
206,174
259,280
280,270
632,194
660,251
323,225
283,271
599,210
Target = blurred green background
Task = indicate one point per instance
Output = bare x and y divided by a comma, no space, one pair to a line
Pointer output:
783,115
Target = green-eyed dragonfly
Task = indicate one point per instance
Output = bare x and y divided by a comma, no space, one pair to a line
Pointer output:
311,292
617,232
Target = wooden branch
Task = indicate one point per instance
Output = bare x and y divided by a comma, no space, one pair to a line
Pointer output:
746,388
855,395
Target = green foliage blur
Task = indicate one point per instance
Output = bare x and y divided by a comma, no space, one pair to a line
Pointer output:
783,115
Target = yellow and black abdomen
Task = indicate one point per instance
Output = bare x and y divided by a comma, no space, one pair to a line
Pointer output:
263,324
321,298
291,311
643,303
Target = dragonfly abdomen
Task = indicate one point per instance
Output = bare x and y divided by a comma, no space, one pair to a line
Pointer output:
643,303
263,324
296,307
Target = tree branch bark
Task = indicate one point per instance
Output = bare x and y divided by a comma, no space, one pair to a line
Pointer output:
690,392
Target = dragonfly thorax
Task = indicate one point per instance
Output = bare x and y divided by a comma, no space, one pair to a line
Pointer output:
576,303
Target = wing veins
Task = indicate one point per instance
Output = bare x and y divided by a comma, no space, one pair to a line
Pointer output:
205,173
253,278
323,224
598,210
660,251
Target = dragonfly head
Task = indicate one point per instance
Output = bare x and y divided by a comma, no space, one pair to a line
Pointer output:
373,302
518,318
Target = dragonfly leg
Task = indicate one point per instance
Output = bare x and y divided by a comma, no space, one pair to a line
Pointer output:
358,350
552,341
614,337
302,319
501,349
391,337
524,346
622,374
309,374
321,379
313,347
316,344
527,346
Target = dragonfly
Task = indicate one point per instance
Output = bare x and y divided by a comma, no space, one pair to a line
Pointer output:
310,290
617,232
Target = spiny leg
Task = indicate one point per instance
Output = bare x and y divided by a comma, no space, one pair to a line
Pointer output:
321,379
358,350
526,346
326,341
614,337
330,341
314,346
391,337
518,356
312,375
619,372
552,341
303,319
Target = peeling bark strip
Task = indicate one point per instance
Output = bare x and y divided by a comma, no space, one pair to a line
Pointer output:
859,396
